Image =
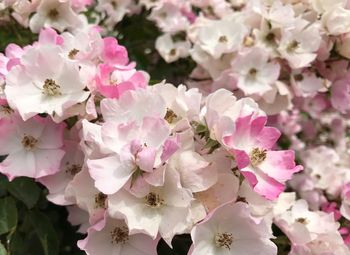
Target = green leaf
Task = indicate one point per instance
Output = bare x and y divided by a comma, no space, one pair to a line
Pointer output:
8,215
2,250
25,190
45,232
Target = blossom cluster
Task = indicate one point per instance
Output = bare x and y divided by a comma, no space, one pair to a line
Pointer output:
292,58
134,163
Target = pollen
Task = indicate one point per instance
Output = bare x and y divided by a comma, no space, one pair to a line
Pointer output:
253,72
120,235
53,14
257,156
270,37
224,240
292,46
154,200
100,200
29,142
170,116
5,109
303,221
248,41
73,53
51,88
73,169
223,39
172,52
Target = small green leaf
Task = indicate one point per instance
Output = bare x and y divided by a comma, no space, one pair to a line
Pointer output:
45,232
25,190
8,215
2,250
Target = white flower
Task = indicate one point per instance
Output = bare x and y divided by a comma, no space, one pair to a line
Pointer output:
111,237
254,72
299,45
56,14
337,21
232,230
164,209
217,37
172,50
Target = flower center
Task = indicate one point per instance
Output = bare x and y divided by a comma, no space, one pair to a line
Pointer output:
223,39
224,240
51,88
154,200
100,200
270,37
53,14
5,109
120,235
73,169
170,116
252,73
303,221
248,41
172,52
29,142
114,4
292,46
73,53
257,156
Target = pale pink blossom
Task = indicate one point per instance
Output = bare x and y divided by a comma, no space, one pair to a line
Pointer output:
45,82
266,170
254,72
111,237
33,148
164,209
231,229
56,14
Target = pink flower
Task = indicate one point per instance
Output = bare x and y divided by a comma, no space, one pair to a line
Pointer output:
311,232
345,206
45,82
134,150
33,148
113,53
71,164
113,82
81,191
265,169
340,95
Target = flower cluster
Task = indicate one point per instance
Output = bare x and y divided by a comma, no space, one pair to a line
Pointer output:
135,163
292,58
272,51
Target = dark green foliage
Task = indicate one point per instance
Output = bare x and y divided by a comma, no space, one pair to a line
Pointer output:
31,225
281,241
181,244
138,35
11,32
